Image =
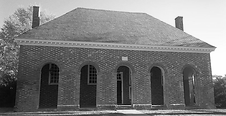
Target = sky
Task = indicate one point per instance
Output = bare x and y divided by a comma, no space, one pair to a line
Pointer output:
204,19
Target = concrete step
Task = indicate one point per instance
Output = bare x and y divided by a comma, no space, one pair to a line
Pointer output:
88,109
122,107
158,107
192,107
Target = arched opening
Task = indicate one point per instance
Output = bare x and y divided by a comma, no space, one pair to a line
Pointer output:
49,86
157,97
189,88
88,82
124,86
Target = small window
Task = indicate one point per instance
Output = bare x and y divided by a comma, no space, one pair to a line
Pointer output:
119,76
53,74
92,75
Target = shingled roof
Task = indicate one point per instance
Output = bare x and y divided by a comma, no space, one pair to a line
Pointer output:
91,25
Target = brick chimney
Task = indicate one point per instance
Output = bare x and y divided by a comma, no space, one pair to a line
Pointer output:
35,19
179,23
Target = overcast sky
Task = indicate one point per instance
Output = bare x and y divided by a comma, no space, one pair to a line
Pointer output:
204,19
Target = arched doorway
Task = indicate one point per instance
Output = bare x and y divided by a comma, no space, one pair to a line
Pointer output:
88,82
189,88
124,86
157,97
49,86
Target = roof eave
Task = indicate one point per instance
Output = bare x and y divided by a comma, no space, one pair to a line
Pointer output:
98,45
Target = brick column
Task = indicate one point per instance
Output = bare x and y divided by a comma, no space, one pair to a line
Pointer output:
68,91
106,90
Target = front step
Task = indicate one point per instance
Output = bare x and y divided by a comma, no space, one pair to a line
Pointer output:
153,107
88,109
158,107
192,107
123,107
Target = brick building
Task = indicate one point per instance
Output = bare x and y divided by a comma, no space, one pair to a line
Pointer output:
101,59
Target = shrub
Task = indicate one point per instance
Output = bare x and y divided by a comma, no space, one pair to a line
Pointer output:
220,92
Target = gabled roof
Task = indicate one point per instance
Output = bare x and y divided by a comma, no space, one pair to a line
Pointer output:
102,26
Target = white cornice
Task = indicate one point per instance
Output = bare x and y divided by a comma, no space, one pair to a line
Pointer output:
112,46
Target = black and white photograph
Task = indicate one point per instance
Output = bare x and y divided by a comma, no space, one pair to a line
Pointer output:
112,57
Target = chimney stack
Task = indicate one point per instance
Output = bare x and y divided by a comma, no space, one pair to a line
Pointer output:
179,23
35,19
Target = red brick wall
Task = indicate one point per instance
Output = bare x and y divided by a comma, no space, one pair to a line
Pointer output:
70,60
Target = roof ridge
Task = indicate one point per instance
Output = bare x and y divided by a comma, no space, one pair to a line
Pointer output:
109,10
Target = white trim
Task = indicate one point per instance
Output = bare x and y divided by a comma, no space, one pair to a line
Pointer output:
158,105
130,92
101,105
113,46
177,104
137,105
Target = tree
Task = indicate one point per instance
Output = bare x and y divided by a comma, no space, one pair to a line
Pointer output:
220,92
19,22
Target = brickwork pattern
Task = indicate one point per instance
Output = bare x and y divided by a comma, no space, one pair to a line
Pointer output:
70,60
